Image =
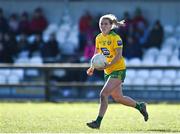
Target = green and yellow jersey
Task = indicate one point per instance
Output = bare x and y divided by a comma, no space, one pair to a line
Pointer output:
107,44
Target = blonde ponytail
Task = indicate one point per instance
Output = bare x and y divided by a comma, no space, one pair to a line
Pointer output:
119,23
113,19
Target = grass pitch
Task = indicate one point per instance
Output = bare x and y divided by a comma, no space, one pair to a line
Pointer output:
72,117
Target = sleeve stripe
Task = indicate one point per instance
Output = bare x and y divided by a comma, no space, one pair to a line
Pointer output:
119,42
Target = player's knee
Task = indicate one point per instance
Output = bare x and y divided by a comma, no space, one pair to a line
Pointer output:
118,99
115,99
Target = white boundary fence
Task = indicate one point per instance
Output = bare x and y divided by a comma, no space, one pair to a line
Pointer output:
47,68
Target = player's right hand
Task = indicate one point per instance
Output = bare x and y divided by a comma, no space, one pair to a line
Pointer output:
90,71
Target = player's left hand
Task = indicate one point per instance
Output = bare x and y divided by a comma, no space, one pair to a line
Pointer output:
90,71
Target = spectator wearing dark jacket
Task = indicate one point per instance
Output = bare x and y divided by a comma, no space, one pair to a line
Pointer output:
156,35
23,43
24,24
3,22
36,45
10,45
50,50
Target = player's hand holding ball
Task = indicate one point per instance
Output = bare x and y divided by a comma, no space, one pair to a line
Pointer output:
90,71
98,62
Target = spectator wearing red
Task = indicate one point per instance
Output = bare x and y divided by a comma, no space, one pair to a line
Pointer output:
39,22
85,25
85,22
139,22
140,30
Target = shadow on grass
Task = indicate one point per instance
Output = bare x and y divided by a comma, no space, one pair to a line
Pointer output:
162,130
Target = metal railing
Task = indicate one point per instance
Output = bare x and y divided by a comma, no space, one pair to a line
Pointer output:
47,68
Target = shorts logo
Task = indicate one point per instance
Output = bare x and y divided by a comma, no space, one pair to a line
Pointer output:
119,42
105,51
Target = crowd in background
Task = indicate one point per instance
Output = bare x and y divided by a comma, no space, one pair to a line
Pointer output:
138,35
16,30
14,33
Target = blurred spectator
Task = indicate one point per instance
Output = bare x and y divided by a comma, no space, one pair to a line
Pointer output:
140,26
85,22
36,46
23,43
24,24
2,53
127,19
3,22
85,25
123,31
156,35
95,23
14,24
10,45
132,48
1,37
50,50
7,48
38,23
88,51
139,22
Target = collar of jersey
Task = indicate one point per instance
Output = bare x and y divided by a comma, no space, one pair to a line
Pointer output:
109,33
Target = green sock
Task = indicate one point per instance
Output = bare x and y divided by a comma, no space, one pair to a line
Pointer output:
138,107
99,119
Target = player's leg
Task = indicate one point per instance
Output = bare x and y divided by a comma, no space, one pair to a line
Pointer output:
108,88
118,96
110,84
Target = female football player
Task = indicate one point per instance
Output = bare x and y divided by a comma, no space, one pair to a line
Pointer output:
110,44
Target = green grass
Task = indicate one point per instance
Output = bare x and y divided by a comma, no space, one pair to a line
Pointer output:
72,117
